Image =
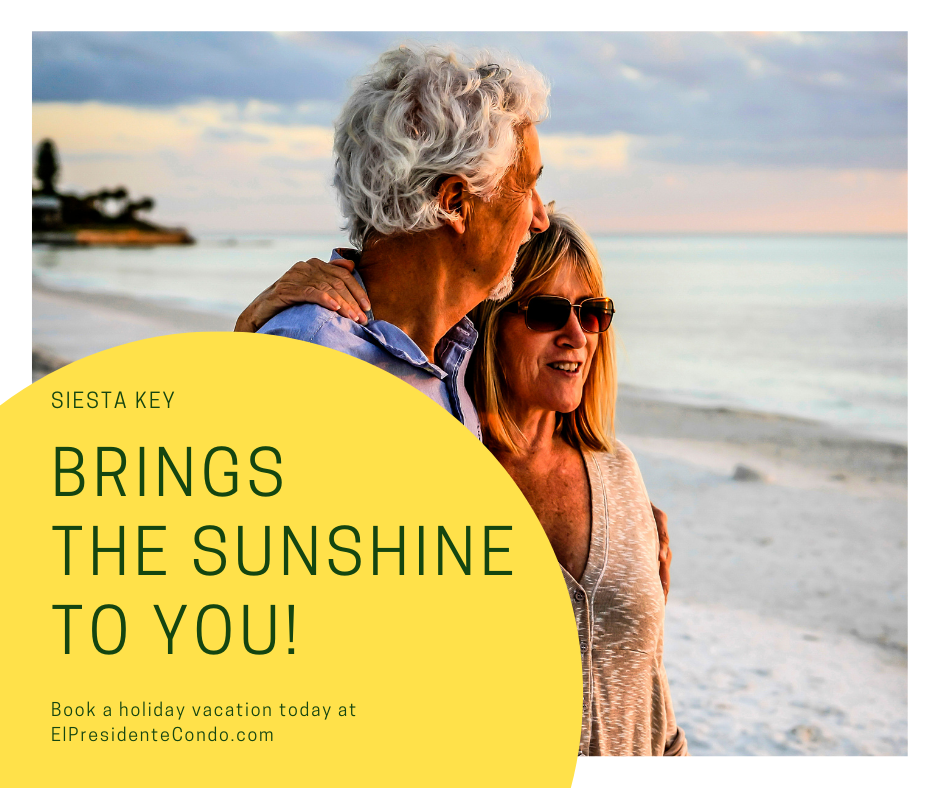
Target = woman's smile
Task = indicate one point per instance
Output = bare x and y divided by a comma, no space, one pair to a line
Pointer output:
546,370
569,368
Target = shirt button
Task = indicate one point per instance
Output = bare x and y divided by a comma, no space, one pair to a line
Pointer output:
579,596
583,645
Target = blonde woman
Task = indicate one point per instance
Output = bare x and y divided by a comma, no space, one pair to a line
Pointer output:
544,382
542,377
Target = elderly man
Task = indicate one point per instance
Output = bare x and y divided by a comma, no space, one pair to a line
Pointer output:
437,159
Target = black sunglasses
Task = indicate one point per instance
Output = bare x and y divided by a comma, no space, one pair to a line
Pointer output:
550,313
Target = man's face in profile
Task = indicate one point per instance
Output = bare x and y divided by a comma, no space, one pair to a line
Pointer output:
503,224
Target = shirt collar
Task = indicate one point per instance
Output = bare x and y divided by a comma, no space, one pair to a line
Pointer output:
451,349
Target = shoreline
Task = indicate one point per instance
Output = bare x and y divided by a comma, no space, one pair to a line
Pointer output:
180,319
175,316
779,449
630,391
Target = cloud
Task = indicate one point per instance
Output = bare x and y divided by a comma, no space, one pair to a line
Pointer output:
737,131
154,69
233,134
279,177
186,129
583,152
291,164
654,197
792,99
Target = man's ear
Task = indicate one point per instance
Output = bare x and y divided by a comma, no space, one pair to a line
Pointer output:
454,198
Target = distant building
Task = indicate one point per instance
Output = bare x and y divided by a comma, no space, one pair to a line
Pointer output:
47,212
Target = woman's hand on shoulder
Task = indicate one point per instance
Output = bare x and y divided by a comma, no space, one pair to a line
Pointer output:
330,285
665,552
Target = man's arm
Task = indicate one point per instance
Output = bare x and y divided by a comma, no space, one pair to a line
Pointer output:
330,285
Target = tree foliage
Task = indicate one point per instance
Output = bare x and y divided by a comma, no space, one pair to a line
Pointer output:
47,166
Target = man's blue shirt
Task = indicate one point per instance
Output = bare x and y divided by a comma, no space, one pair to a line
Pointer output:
387,346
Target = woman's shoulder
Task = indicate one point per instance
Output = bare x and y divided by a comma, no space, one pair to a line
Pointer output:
619,469
618,460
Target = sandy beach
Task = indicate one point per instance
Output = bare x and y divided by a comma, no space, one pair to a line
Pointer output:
71,325
787,618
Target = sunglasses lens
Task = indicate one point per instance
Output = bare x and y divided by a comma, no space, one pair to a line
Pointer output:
596,315
550,313
547,313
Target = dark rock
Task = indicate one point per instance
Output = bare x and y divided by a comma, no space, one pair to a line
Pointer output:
742,473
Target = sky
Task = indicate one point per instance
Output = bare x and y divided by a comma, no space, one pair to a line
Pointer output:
648,132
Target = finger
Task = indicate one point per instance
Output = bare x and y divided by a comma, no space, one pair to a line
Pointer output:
307,283
660,516
348,308
349,265
290,293
661,525
349,281
343,268
345,303
321,293
344,288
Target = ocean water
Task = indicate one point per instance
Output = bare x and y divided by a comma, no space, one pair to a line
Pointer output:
814,327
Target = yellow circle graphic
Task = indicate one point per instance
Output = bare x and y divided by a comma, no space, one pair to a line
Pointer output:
244,559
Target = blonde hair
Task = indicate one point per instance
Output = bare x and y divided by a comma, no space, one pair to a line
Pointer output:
591,424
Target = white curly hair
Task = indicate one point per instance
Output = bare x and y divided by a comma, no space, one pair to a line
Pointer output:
422,114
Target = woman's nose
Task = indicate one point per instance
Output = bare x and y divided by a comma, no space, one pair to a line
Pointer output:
572,335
